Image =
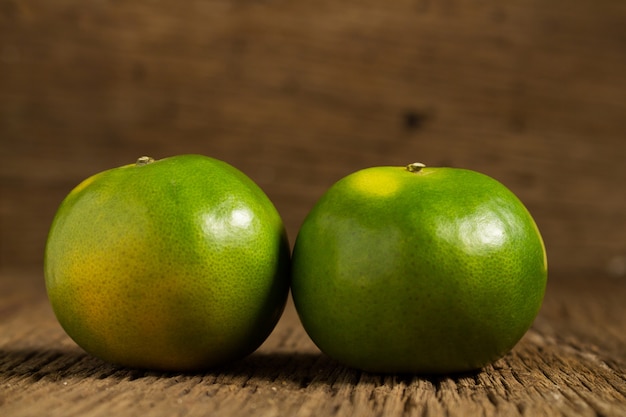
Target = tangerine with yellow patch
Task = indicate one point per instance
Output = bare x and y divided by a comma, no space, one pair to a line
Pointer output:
176,264
419,270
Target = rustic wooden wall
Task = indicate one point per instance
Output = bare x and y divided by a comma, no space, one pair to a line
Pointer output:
298,94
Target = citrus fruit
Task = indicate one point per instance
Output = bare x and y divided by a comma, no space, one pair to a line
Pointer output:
418,270
177,264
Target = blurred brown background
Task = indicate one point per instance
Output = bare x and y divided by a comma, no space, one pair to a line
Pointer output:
299,94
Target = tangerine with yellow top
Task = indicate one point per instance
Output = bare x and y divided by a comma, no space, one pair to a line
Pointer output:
418,270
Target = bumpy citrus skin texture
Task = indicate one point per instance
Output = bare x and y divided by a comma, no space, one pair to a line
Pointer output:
180,264
437,271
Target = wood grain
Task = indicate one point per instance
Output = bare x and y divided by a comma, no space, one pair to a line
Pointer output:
298,95
572,362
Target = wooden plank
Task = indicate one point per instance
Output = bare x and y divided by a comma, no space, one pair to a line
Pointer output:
298,95
572,362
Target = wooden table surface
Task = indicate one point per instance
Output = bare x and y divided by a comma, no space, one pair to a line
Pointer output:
572,362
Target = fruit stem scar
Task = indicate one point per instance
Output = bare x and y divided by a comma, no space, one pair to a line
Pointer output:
415,167
144,160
